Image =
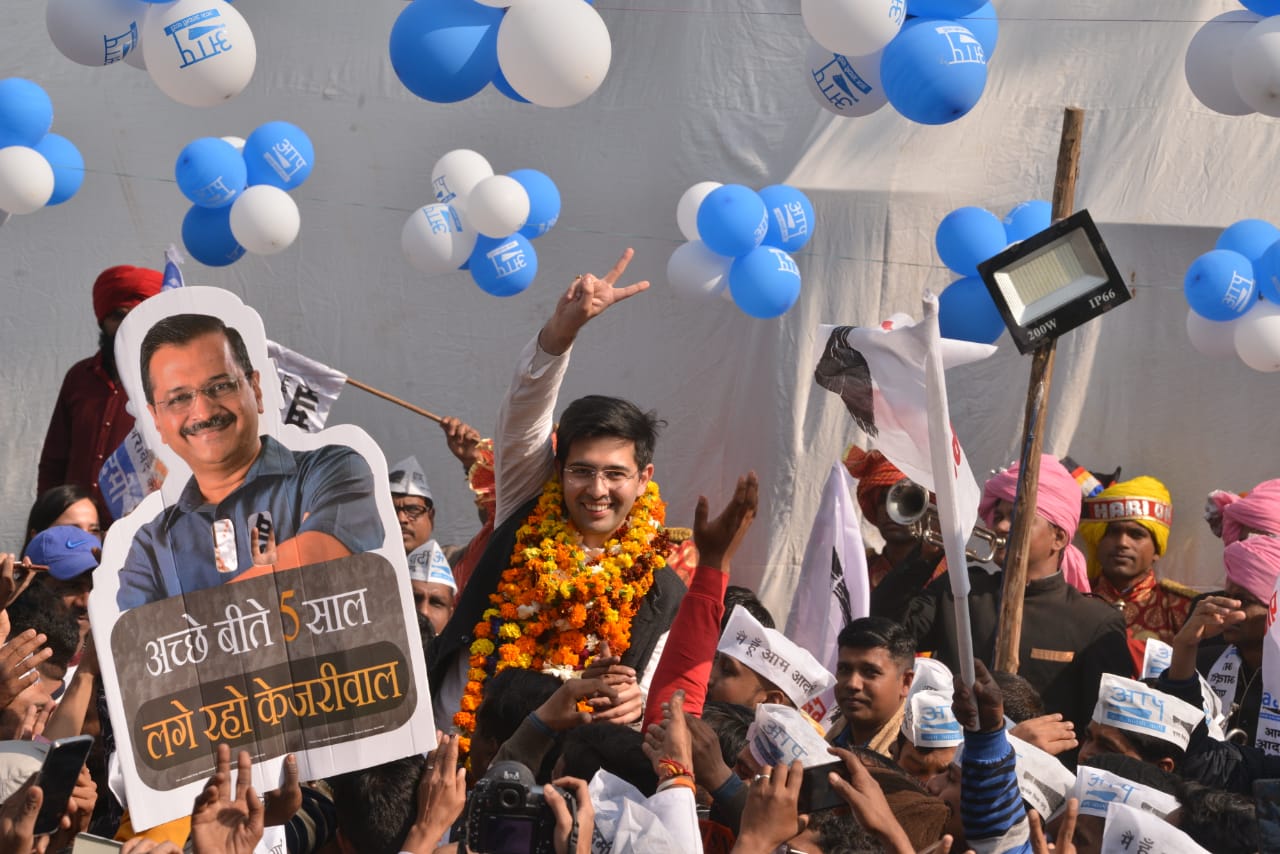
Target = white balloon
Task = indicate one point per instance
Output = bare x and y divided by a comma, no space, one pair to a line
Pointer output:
264,219
1255,67
498,206
435,239
1211,338
1257,336
696,272
687,208
846,85
206,58
26,180
853,27
236,142
555,53
1208,63
95,32
455,174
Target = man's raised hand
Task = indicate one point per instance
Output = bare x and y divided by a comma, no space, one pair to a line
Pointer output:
717,539
587,297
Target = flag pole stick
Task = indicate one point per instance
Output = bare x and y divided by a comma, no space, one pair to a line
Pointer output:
391,397
1024,508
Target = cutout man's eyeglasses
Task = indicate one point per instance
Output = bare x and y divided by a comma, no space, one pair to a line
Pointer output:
216,391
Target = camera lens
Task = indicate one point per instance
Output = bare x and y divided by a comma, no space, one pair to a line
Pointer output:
510,798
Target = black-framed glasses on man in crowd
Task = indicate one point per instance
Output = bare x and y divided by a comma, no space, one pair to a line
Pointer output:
413,512
589,474
217,391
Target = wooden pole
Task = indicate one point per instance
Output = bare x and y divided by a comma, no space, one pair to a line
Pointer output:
1024,509
391,397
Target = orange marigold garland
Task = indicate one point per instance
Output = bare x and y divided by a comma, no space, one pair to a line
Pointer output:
554,605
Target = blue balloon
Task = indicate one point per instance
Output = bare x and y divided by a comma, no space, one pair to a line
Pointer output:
445,50
790,215
966,312
1266,271
26,113
279,154
1250,237
942,8
932,72
544,201
210,172
1220,285
502,85
67,163
503,266
1027,219
968,236
206,232
732,220
1265,8
765,282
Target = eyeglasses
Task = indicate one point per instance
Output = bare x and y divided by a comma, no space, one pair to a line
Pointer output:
412,512
589,474
218,390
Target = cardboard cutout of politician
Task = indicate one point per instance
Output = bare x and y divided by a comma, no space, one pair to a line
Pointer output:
261,597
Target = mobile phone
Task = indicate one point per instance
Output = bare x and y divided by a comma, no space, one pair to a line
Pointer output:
816,793
1267,795
88,844
58,776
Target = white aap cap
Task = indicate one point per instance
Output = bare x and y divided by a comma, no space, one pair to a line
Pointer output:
427,563
407,478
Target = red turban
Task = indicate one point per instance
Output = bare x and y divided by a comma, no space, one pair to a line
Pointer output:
123,287
1058,500
874,474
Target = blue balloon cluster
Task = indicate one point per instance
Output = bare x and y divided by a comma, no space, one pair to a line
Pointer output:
935,69
26,116
506,266
758,231
965,238
1242,268
212,173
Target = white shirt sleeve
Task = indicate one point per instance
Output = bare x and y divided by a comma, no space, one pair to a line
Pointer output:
522,455
677,811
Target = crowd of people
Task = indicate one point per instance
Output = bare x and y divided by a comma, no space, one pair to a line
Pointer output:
600,684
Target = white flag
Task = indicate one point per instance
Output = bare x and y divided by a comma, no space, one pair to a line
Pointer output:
308,387
891,381
834,589
1129,829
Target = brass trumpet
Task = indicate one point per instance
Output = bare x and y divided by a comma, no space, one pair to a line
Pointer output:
908,504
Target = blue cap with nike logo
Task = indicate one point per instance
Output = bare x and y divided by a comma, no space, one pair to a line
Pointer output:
66,550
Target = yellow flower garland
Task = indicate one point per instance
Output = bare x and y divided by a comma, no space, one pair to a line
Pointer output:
554,605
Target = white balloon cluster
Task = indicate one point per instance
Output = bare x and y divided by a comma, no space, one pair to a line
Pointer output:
198,52
37,168
482,221
1233,62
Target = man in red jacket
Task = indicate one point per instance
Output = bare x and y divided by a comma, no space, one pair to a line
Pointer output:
89,420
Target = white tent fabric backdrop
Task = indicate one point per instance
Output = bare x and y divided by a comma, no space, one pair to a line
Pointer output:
698,90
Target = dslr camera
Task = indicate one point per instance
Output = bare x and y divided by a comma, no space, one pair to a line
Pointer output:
508,814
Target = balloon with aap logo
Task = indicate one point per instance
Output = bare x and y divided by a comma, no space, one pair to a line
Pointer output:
210,172
1219,285
503,267
934,72
848,86
198,52
790,215
456,173
206,233
95,32
765,282
279,154
436,240
853,27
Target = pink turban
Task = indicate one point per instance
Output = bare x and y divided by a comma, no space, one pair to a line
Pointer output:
1258,509
1057,500
1254,564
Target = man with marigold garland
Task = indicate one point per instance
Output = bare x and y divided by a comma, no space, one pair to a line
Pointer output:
576,566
